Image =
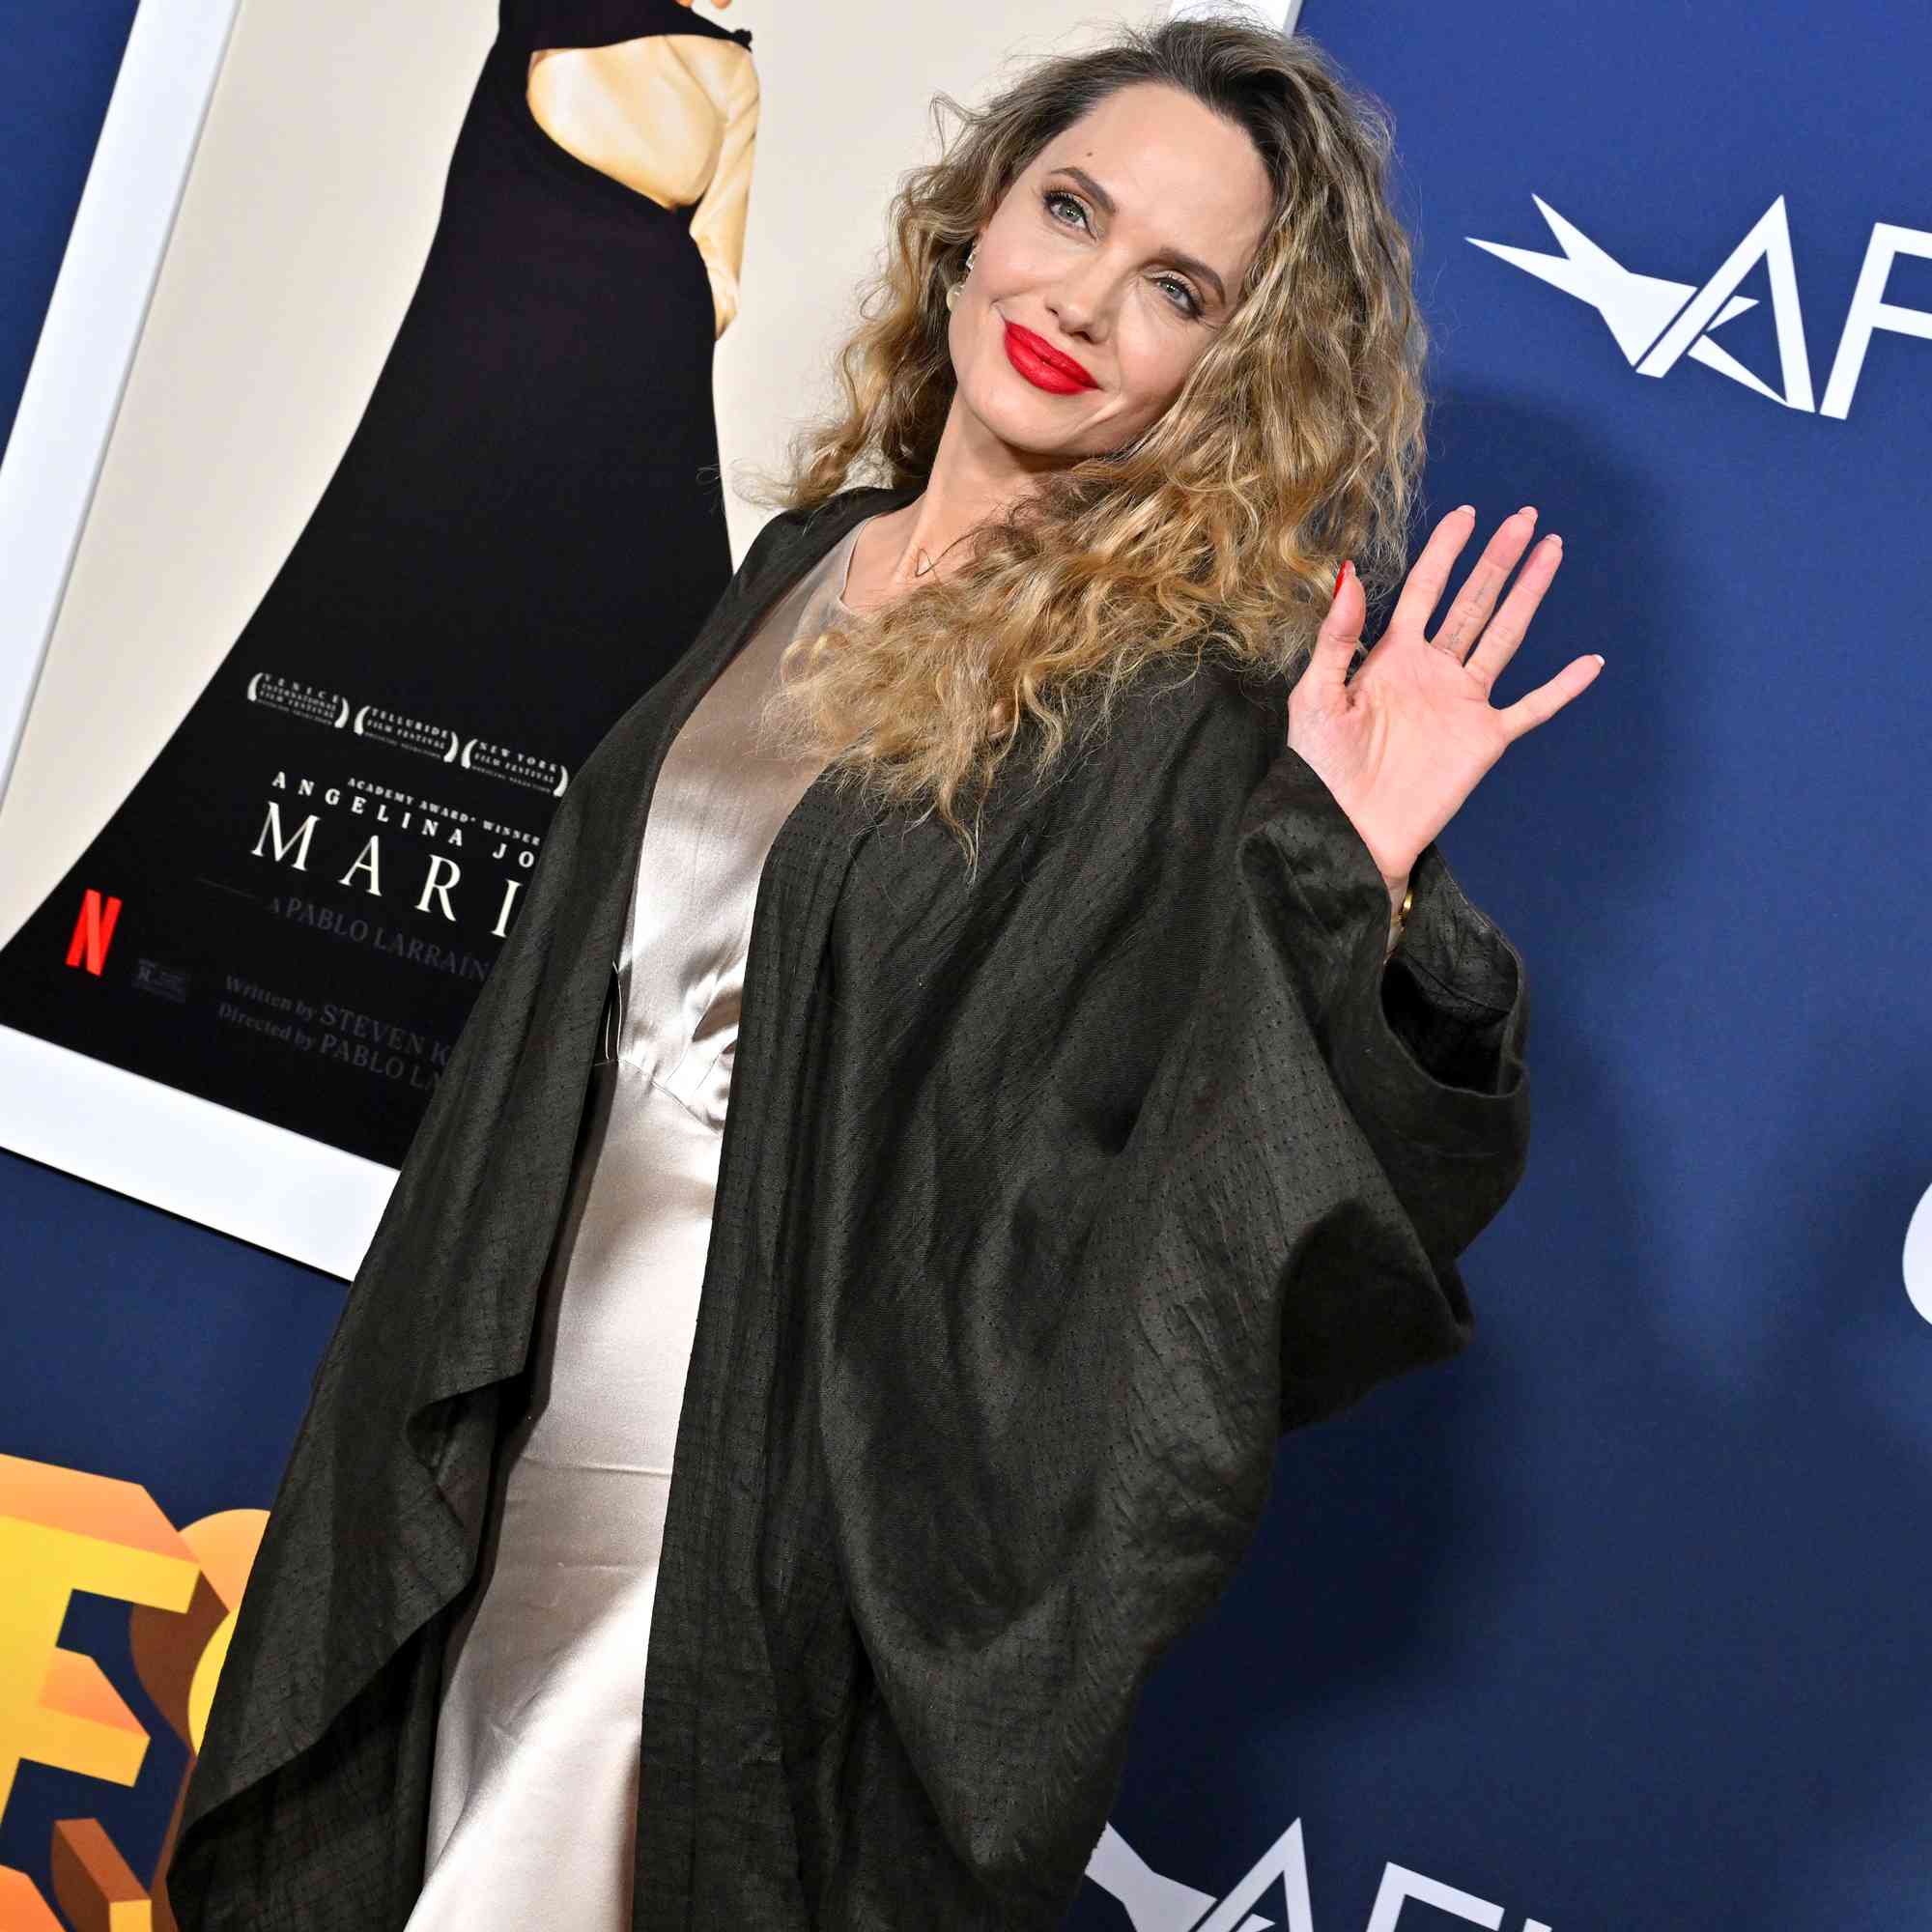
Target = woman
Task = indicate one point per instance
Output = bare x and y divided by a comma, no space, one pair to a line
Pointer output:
1121,1073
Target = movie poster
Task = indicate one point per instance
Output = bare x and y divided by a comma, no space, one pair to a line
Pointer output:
422,476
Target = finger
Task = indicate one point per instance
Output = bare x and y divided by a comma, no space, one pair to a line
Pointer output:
1473,603
1497,645
1538,706
1430,573
1335,642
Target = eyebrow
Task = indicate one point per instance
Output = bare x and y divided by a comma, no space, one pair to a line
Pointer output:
1193,264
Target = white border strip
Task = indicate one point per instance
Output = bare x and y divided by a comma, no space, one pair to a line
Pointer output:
94,320
261,1183
226,1170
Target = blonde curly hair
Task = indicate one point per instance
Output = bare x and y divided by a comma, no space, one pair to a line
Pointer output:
1294,442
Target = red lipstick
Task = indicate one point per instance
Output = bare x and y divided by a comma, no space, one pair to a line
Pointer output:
1043,365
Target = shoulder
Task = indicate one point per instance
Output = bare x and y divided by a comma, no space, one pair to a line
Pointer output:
819,526
724,66
794,539
1156,786
777,540
1134,827
1180,743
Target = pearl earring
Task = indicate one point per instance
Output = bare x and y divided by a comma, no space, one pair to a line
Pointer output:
952,294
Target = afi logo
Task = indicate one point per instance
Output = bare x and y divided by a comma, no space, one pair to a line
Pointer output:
92,933
1655,323
1157,1904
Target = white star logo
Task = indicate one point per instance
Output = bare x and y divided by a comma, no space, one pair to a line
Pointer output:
1655,320
1156,1903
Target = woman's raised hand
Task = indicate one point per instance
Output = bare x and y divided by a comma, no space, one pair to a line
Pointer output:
1402,744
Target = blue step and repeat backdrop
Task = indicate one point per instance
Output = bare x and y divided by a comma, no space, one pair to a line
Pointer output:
1619,1620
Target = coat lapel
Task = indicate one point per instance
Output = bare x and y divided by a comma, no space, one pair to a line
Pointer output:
489,1316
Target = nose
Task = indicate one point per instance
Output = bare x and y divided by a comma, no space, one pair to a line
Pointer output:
1081,300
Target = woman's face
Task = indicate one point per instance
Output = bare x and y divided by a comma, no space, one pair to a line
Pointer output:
1104,274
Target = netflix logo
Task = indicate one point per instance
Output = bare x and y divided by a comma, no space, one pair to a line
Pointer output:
93,932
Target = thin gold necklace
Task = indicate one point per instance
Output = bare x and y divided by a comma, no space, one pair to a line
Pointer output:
925,568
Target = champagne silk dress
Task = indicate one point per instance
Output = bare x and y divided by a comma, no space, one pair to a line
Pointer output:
534,1794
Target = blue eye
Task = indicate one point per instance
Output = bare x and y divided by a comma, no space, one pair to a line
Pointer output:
1189,303
1193,307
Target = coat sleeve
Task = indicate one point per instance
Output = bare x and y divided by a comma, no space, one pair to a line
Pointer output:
1425,1052
1138,1157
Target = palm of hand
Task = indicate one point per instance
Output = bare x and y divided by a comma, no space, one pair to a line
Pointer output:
1405,741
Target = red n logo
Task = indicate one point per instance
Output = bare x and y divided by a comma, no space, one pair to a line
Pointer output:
93,932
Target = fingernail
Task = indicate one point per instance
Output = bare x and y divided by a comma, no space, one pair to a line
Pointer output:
1464,510
1339,576
1529,510
1553,541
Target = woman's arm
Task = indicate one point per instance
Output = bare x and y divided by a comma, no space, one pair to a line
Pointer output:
1424,1044
730,79
671,116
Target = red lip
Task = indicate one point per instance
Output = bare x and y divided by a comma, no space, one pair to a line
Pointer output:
1043,365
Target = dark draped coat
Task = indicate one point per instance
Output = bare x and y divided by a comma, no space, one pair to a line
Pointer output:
1046,1203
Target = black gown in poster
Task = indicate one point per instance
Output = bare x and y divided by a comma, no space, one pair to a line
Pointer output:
525,530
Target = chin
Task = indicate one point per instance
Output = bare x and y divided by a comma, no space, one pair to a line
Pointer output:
1022,429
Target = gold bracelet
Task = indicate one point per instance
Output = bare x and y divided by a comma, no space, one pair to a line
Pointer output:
1400,919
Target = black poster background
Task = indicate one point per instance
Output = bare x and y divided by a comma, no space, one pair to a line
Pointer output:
524,532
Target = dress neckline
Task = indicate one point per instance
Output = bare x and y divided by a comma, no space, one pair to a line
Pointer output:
847,545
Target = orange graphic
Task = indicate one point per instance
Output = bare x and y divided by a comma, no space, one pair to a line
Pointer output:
93,1884
22,1908
63,1531
93,932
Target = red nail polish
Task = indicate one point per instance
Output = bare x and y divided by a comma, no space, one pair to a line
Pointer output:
1339,576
